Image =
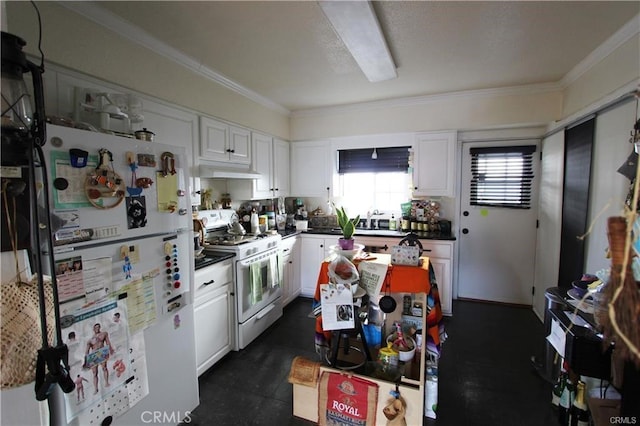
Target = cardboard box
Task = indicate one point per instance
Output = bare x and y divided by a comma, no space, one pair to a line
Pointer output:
603,409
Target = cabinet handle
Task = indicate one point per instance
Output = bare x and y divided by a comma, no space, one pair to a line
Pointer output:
228,150
277,189
232,151
426,250
321,245
208,282
415,188
371,248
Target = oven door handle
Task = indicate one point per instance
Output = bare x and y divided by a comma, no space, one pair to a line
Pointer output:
263,313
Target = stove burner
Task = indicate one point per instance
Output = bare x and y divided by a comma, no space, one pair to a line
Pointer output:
231,240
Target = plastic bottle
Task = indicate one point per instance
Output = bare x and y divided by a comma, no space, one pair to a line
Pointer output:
255,223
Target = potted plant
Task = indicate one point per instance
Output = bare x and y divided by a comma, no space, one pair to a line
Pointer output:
348,227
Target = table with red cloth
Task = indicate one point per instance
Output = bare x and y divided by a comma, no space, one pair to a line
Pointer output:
399,279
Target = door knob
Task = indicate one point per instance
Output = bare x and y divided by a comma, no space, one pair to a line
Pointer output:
465,231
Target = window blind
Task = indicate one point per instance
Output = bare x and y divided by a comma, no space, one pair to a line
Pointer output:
393,159
502,176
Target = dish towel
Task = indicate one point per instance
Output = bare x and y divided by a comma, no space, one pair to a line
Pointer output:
274,270
255,273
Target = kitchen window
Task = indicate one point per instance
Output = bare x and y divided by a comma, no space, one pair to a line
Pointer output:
502,176
367,183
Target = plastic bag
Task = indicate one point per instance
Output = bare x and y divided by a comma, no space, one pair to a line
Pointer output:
342,271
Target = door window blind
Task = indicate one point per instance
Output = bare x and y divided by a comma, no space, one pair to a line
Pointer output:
502,176
393,159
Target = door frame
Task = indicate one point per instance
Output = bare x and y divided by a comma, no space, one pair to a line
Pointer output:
534,134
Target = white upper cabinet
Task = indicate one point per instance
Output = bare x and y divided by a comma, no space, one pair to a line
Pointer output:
281,168
434,164
310,168
263,164
271,160
220,141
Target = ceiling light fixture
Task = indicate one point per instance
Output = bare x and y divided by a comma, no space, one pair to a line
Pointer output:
358,27
374,156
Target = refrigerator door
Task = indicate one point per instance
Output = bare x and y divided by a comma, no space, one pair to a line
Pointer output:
161,376
105,187
124,221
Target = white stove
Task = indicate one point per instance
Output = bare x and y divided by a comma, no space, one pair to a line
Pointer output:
258,284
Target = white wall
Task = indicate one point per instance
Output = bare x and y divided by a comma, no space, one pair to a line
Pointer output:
619,68
472,110
608,188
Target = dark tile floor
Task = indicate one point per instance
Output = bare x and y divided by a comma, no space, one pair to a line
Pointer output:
485,374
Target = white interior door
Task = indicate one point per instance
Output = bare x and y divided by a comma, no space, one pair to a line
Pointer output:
497,244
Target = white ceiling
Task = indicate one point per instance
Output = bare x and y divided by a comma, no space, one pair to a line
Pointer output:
287,52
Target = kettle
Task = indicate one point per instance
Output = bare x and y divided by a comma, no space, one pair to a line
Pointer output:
236,228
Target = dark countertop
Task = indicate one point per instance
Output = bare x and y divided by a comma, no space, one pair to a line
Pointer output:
289,233
382,233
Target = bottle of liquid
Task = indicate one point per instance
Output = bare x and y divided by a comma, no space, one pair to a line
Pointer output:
579,414
393,225
566,400
406,224
255,223
556,393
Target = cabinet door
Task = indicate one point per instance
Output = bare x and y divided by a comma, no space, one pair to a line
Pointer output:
214,139
262,163
442,269
281,168
312,255
239,145
434,164
212,323
310,165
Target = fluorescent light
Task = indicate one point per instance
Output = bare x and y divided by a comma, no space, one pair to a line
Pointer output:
358,27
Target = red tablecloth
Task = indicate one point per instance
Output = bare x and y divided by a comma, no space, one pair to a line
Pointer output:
399,279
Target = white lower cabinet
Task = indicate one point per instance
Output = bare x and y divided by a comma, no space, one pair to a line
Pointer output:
314,249
214,314
291,269
440,255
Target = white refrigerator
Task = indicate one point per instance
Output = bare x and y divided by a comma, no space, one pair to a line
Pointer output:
123,251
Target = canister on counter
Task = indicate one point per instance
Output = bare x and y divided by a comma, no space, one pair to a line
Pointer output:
406,305
405,224
416,311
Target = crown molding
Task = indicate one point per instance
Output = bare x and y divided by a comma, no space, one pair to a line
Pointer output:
138,36
626,32
530,89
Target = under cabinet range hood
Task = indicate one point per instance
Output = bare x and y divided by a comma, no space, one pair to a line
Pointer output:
226,173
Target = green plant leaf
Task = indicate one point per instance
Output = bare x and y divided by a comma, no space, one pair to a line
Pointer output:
348,230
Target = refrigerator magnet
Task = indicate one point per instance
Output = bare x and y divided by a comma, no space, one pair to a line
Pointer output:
78,158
